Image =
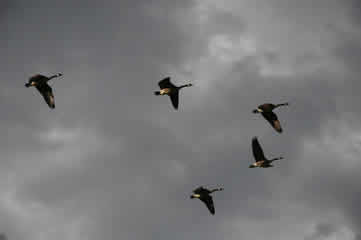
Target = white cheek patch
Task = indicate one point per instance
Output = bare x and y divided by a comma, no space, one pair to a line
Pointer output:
259,110
196,195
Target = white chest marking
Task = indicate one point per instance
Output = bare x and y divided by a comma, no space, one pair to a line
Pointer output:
164,91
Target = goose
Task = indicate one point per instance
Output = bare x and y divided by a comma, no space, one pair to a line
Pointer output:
267,112
168,88
41,83
261,160
203,194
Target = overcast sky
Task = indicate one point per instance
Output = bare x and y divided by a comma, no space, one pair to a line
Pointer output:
113,161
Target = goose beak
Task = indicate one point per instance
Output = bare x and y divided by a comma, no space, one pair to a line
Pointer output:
27,85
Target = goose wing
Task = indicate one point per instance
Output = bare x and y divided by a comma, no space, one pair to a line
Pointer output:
267,107
174,97
37,77
165,83
208,201
47,93
257,150
271,117
197,190
201,190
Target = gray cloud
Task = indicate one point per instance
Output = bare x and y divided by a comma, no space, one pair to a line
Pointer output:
323,230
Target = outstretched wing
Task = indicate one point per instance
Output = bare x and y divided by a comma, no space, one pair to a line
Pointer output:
257,150
47,93
37,78
267,107
165,83
174,97
198,190
209,203
271,117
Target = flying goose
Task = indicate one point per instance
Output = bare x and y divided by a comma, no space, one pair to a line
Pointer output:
203,194
168,88
260,160
267,112
41,83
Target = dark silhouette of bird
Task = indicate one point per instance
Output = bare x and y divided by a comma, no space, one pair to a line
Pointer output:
203,194
168,88
40,82
267,112
260,160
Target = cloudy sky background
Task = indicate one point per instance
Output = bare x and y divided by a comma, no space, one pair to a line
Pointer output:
113,161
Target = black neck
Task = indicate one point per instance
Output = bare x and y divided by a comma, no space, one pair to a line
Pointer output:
185,85
54,76
216,189
282,104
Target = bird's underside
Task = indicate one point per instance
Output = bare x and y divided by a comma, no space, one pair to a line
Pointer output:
203,194
272,118
208,201
47,93
168,88
267,112
40,82
260,160
263,164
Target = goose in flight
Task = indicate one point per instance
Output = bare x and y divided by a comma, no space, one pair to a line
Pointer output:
260,160
267,112
203,194
41,83
168,88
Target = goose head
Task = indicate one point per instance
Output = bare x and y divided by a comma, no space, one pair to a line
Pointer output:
30,84
257,110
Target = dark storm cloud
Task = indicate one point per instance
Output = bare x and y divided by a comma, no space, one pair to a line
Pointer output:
114,161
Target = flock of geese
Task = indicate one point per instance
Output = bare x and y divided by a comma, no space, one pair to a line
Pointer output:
40,82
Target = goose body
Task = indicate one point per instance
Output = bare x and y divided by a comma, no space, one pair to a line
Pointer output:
267,112
40,82
168,88
204,195
260,160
